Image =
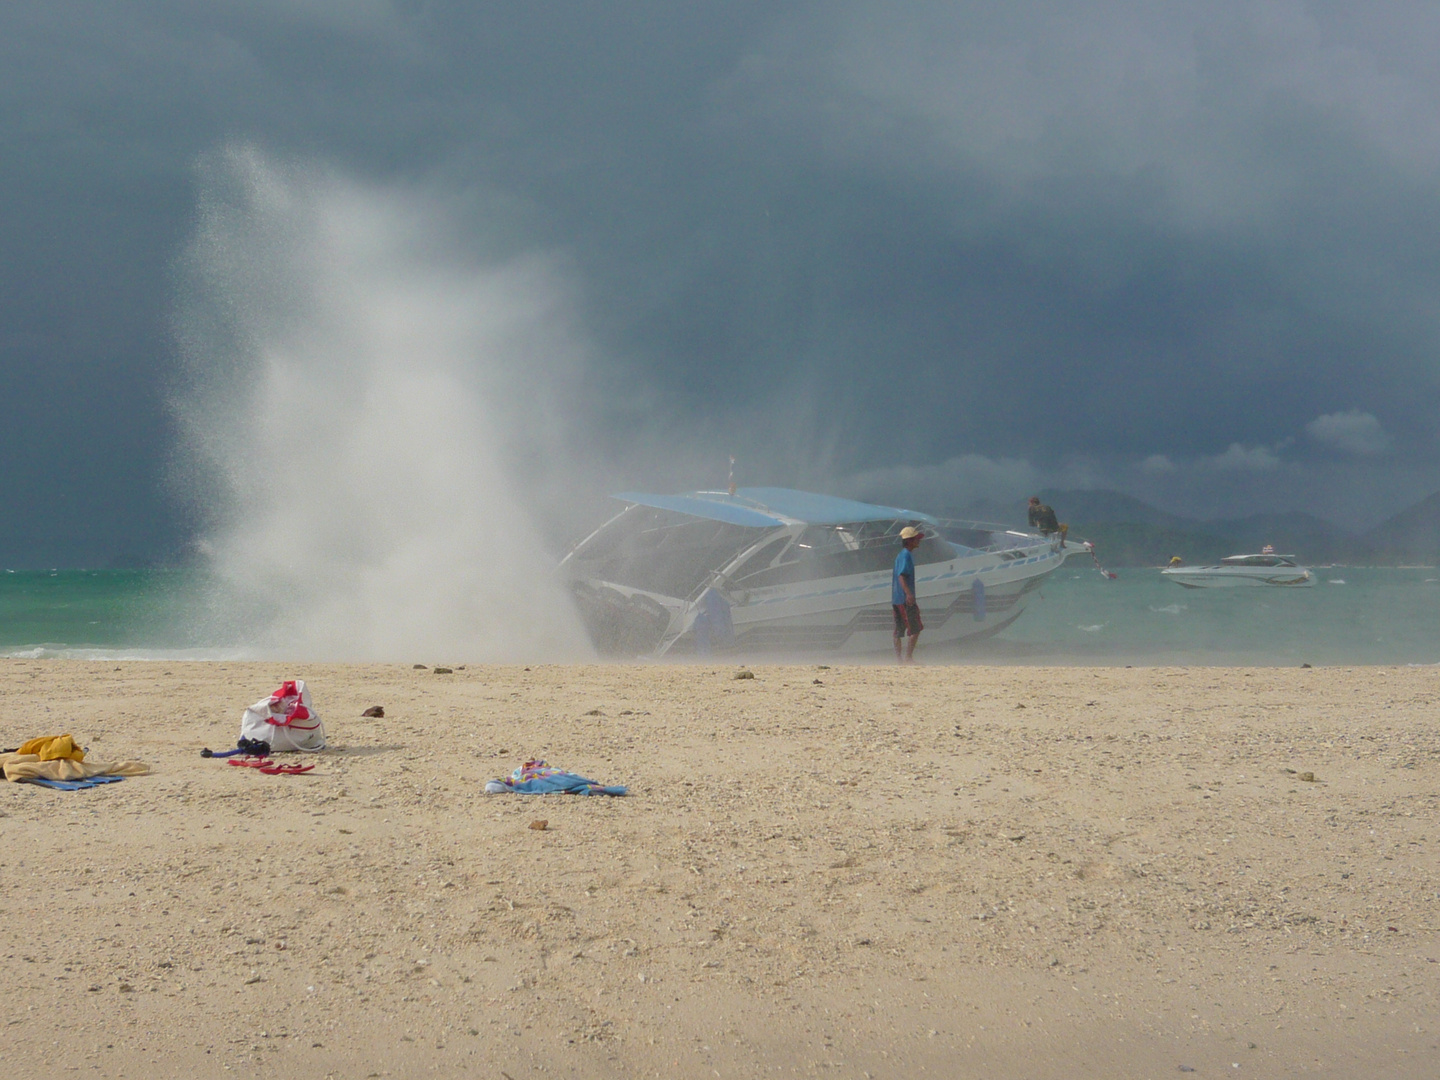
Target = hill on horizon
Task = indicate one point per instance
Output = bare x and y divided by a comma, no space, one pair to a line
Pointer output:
1411,536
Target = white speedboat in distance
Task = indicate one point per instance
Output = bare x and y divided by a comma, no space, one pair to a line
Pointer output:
1266,568
776,570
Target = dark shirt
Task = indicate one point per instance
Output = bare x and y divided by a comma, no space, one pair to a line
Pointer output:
1043,518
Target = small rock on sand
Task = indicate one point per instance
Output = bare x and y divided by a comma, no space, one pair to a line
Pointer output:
540,826
743,674
377,711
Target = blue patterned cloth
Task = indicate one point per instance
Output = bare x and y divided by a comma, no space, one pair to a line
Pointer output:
538,778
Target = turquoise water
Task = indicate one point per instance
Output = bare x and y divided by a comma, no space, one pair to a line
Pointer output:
107,612
1353,616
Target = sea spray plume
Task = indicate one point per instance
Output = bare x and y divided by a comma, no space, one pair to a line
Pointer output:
361,416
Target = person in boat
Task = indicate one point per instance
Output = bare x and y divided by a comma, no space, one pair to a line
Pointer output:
902,596
1042,517
1175,560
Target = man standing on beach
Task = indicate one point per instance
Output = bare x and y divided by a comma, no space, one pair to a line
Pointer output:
902,595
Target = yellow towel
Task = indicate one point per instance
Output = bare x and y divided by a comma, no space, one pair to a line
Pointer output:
29,767
53,748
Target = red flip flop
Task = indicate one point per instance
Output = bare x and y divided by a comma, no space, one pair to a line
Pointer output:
286,770
252,763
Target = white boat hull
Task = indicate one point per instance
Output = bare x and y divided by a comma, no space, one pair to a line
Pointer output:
852,616
1225,577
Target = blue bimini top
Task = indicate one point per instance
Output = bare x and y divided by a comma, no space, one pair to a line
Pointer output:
767,507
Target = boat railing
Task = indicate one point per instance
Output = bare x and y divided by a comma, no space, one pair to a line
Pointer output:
989,536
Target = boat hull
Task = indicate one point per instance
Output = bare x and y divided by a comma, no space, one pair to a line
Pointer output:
1225,578
845,616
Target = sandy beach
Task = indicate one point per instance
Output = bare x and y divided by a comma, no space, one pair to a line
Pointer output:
821,871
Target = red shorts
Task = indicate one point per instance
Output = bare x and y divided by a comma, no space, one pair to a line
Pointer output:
907,619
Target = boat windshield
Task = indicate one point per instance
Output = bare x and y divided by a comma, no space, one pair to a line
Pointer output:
660,551
1257,560
829,551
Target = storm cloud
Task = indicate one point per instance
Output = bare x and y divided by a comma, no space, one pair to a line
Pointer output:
1187,252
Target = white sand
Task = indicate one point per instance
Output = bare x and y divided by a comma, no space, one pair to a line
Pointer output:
889,873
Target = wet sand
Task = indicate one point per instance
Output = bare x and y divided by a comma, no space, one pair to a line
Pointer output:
843,871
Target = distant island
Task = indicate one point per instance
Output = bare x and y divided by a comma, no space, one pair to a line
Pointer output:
1129,532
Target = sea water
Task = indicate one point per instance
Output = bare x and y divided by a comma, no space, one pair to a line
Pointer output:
81,613
1353,615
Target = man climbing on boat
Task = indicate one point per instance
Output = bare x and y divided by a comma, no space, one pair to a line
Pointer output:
1042,517
902,596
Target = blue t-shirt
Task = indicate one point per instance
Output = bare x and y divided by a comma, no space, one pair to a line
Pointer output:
904,567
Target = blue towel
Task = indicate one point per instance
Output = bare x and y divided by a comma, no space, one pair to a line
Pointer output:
74,785
537,778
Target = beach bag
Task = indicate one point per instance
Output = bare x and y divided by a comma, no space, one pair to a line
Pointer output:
286,720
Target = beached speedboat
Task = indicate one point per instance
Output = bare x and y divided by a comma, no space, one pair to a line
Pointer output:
1266,568
771,569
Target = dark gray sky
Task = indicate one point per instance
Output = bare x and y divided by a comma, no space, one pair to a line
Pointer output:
921,251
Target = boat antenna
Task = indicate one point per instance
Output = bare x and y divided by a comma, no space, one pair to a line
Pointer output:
732,476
